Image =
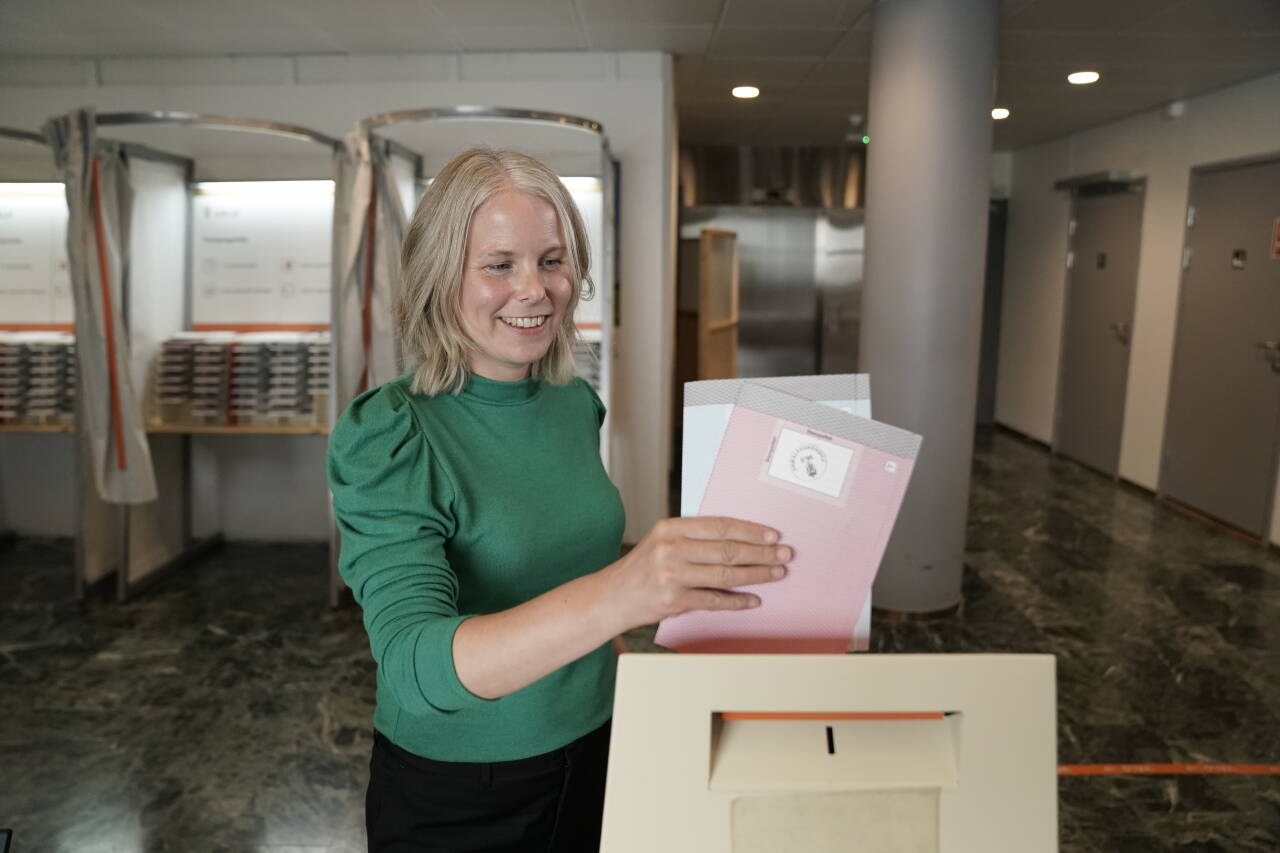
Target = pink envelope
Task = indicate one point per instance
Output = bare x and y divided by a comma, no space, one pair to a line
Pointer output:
831,483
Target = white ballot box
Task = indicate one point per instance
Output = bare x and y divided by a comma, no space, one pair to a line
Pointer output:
827,753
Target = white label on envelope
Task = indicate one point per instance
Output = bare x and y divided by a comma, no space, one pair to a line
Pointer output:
811,462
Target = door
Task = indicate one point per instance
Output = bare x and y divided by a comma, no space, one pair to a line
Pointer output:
1220,438
1101,282
718,305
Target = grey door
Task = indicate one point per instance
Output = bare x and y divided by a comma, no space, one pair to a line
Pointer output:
1099,319
1224,396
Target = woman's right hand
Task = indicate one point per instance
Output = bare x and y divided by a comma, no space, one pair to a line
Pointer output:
687,564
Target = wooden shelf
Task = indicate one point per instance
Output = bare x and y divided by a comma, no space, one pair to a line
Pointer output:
37,428
248,429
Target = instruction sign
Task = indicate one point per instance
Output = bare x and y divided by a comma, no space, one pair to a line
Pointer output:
260,252
35,284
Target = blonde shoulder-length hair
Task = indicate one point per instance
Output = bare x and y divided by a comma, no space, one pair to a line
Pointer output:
428,309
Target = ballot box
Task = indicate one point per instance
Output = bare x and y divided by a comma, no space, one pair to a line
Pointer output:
827,753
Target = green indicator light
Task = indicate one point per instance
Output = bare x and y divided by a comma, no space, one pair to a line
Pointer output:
866,140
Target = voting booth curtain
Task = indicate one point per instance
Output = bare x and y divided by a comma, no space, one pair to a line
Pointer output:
369,225
99,202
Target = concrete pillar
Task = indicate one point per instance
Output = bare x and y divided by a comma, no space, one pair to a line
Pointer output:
928,181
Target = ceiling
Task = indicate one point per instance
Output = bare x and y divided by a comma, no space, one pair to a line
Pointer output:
809,57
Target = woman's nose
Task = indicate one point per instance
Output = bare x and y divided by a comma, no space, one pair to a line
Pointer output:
529,286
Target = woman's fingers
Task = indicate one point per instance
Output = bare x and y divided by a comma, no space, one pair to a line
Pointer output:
729,552
735,529
731,577
717,599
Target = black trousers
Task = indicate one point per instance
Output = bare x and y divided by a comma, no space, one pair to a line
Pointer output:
550,803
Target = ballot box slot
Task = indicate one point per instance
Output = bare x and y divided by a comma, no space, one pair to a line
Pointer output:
833,751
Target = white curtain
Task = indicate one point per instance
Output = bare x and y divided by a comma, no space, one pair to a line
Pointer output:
99,202
369,224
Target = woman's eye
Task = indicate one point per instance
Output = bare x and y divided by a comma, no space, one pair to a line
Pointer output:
552,262
502,267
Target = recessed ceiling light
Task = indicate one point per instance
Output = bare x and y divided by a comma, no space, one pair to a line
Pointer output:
745,91
1083,78
999,113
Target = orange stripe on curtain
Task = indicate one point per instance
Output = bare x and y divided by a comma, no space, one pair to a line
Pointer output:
104,276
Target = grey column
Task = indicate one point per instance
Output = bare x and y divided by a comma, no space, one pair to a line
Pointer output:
928,181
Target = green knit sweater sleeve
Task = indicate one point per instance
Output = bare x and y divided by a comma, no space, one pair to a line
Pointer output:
393,505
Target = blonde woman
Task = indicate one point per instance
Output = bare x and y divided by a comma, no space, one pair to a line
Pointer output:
481,535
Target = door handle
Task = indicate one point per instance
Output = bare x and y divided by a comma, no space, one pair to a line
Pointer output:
1271,352
1121,331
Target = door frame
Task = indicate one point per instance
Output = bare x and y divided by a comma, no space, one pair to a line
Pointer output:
1107,183
1161,493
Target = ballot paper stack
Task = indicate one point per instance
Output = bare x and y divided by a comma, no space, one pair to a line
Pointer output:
318,375
240,379
211,379
800,455
13,378
37,376
287,393
70,383
175,370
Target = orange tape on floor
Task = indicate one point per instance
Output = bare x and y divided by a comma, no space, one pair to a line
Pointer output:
1169,770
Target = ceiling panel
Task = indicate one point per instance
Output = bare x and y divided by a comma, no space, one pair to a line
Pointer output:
1131,48
142,42
1096,16
652,12
74,17
1160,81
735,71
679,40
840,72
504,13
855,44
792,13
387,26
1195,17
239,26
773,42
520,38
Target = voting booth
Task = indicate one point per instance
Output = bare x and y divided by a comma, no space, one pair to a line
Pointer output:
206,283
37,347
69,250
826,753
385,165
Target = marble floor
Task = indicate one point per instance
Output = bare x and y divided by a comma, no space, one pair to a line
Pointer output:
228,708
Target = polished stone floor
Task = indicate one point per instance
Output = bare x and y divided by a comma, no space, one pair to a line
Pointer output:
228,709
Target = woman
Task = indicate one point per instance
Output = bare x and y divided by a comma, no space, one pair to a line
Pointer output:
480,533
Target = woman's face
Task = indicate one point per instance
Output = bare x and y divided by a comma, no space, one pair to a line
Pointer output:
515,284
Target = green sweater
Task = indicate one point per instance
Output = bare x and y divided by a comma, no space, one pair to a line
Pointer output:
453,506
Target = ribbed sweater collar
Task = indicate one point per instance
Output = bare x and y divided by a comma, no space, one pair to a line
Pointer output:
501,393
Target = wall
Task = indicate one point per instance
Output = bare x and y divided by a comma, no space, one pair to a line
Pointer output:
1236,122
629,93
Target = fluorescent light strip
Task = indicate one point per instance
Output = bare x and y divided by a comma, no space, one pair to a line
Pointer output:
243,188
33,189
